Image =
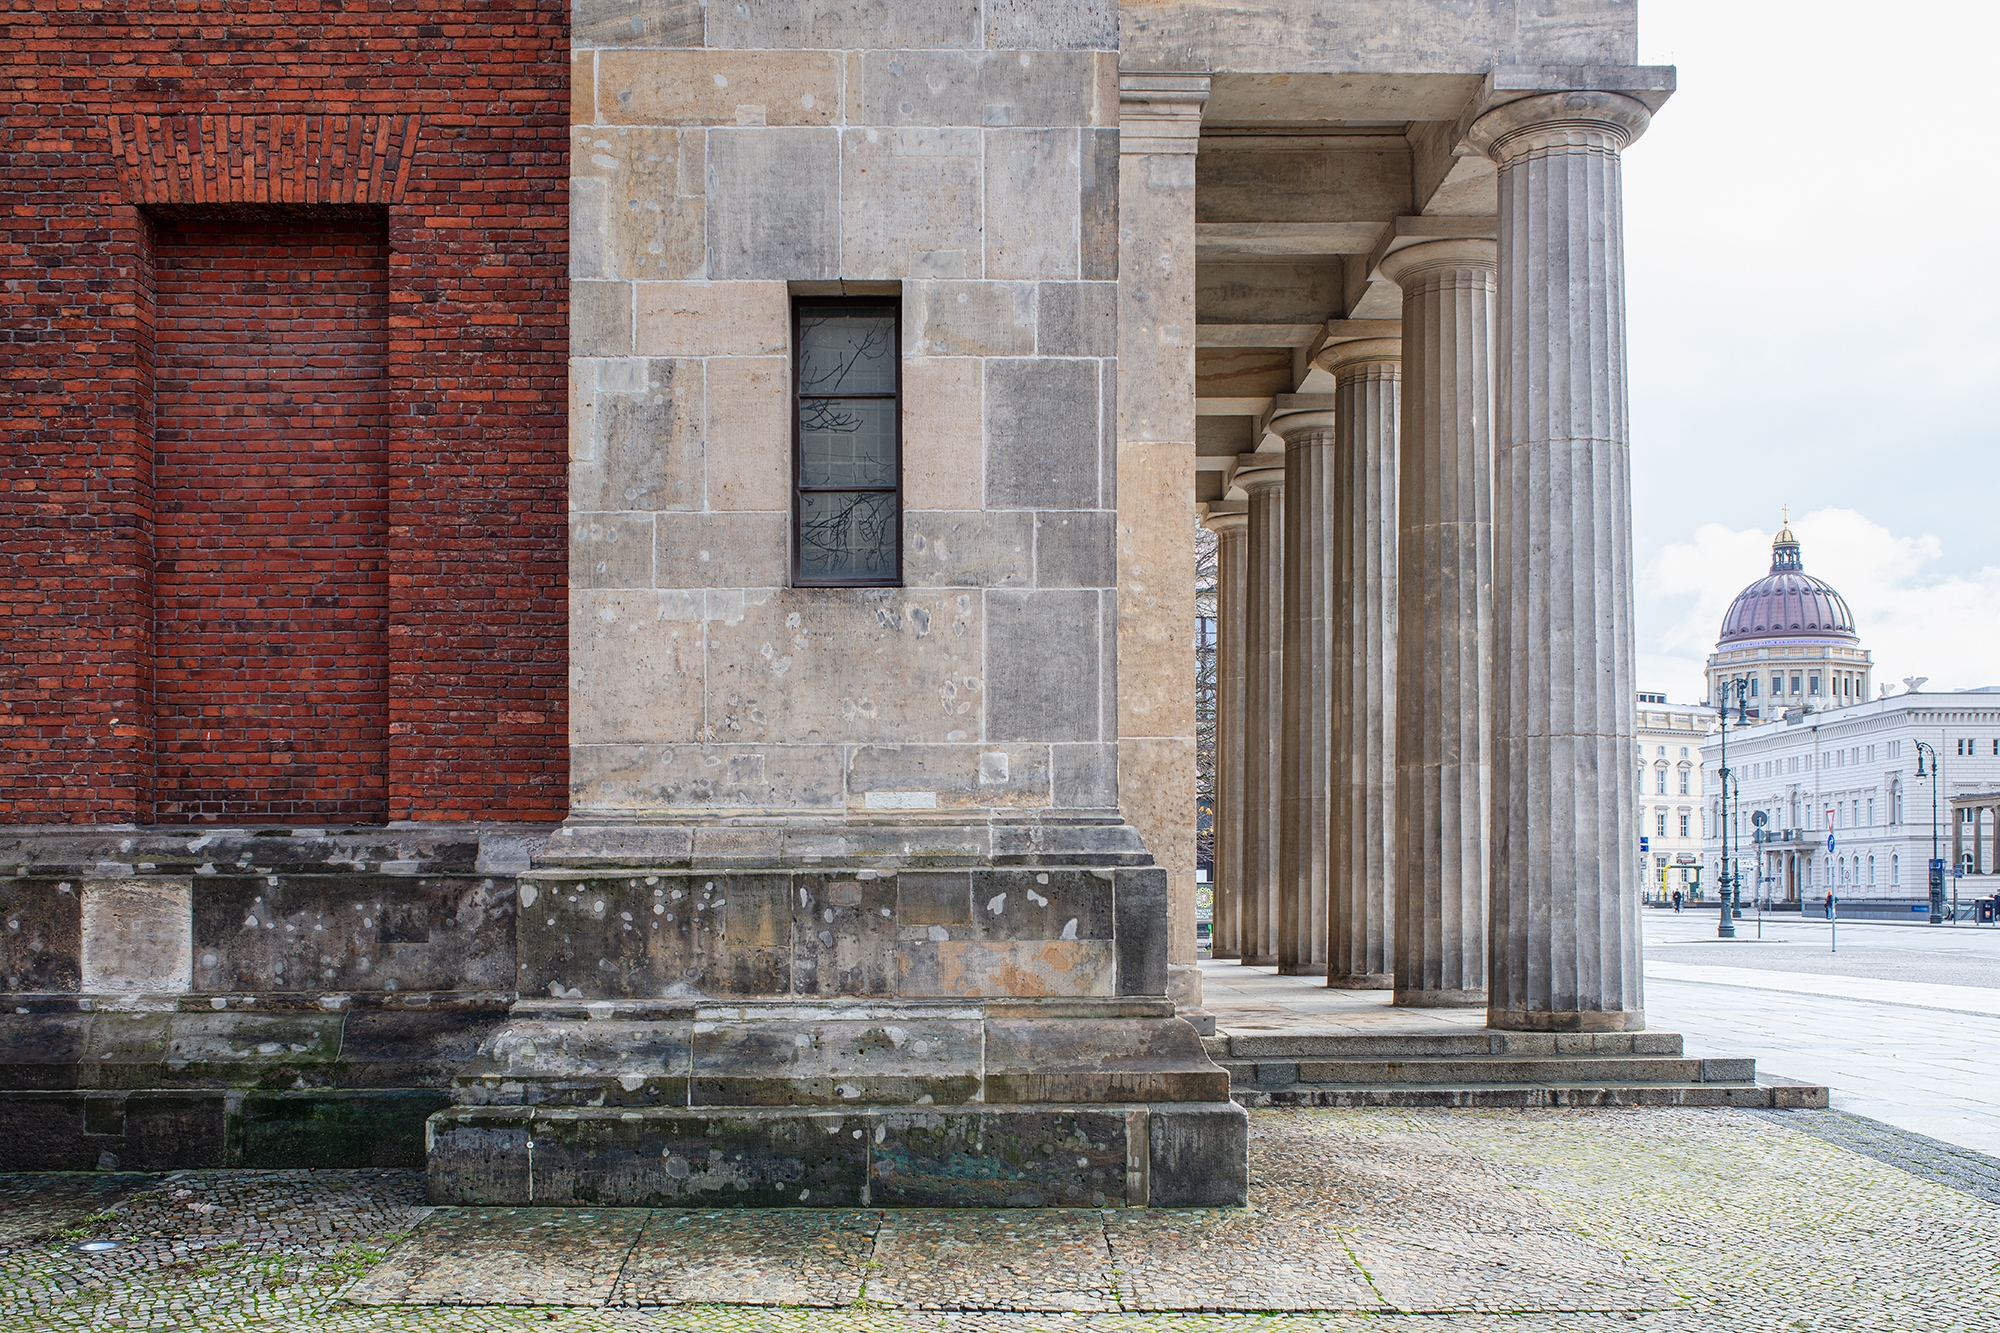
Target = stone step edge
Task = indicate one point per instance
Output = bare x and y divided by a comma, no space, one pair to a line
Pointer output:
1505,1096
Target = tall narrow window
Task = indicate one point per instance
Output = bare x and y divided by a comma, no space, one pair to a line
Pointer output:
847,442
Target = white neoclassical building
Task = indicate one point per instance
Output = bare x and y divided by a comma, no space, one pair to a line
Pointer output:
1669,795
1852,801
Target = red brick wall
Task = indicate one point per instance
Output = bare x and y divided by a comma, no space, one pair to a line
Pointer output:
461,106
270,520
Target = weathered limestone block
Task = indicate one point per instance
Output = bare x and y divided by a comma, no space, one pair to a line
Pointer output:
645,447
41,949
944,430
1031,203
1076,549
1098,220
600,320
1043,659
808,24
962,319
659,23
661,778
910,202
958,776
636,667
741,88
611,551
1078,319
636,203
1085,775
721,550
138,935
774,204
995,89
1039,25
968,549
858,665
333,933
1042,429
711,319
747,459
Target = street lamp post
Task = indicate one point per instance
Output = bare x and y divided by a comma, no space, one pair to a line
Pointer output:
1936,877
1725,926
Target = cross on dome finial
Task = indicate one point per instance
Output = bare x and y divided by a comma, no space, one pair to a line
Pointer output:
1785,548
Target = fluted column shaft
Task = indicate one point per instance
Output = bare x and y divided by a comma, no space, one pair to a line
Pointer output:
1444,621
1362,906
1564,923
1306,745
1263,688
1232,571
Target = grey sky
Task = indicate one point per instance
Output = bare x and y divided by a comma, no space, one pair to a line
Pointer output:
1815,321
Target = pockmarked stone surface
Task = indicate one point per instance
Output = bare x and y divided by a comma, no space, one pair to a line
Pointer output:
785,1256
1031,1259
508,1256
1674,1220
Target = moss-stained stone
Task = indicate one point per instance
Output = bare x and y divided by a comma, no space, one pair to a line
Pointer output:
1018,1158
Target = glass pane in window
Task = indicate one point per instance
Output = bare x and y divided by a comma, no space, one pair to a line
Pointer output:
847,535
846,352
847,442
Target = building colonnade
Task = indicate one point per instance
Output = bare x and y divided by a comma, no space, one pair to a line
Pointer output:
1425,686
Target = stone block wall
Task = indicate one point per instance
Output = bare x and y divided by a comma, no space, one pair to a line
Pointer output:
725,159
440,126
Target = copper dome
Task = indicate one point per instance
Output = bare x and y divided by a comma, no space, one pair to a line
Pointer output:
1787,602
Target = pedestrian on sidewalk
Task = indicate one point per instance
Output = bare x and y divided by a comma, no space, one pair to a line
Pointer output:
1677,900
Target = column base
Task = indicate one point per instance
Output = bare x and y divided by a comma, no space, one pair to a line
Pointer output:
1363,981
1302,969
1260,960
1441,999
1570,1020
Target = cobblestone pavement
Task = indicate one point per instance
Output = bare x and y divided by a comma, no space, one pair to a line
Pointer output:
1359,1220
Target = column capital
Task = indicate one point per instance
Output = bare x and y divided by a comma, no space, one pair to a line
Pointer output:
1160,113
1226,518
1258,472
1413,263
1578,121
1298,414
1362,357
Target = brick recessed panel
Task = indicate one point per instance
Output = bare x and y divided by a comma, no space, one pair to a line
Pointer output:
442,127
271,524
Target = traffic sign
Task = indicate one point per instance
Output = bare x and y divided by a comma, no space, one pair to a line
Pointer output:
1645,844
1829,842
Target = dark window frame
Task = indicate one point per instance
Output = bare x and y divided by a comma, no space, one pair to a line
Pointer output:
892,306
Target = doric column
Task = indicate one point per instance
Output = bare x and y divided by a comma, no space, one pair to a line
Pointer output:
1159,124
1564,919
1262,478
1361,912
1306,424
1444,620
1230,522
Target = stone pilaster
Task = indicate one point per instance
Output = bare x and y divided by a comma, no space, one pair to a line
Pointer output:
1361,881
1262,478
1230,521
1159,128
1306,424
1444,620
1564,901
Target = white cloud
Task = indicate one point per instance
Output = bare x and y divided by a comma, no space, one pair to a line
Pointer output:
1912,612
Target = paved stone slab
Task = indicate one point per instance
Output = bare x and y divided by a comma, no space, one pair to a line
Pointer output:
1235,1259
781,1257
507,1256
1429,1272
1030,1260
37,1207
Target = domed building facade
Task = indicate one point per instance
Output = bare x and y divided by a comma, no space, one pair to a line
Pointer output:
1789,642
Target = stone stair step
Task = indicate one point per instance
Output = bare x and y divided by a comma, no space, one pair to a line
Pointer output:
1615,1070
1527,1096
1472,1042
